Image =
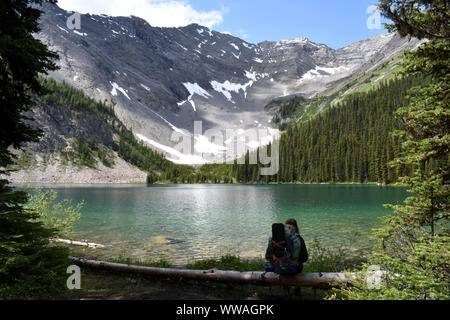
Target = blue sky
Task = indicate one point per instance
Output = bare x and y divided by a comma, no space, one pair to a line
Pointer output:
332,22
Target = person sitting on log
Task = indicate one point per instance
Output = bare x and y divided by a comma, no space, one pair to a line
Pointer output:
286,250
303,256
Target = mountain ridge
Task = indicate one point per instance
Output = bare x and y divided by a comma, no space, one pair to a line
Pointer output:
164,79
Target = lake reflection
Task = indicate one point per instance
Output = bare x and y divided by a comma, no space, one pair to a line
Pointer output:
182,223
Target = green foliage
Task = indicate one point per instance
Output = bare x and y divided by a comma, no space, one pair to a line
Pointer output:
40,273
414,244
349,142
288,108
58,216
421,274
322,259
136,153
228,262
425,128
209,173
23,58
326,259
29,267
417,18
62,95
84,151
25,160
152,177
106,156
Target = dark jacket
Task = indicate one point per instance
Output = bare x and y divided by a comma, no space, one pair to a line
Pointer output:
301,259
303,255
303,251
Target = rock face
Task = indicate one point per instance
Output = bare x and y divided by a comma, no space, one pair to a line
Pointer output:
43,162
60,125
164,79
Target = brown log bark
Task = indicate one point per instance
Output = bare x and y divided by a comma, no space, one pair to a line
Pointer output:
313,280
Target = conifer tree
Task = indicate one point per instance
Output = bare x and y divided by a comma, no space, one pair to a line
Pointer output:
27,264
426,120
414,245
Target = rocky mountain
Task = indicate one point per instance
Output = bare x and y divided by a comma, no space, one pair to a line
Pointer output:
57,158
162,80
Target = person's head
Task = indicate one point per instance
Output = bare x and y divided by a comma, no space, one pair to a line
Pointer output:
293,222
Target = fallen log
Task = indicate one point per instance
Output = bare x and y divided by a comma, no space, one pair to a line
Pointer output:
79,243
313,280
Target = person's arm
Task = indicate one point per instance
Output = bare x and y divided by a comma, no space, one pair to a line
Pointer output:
269,251
303,251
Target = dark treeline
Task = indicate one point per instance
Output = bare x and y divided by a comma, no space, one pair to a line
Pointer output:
350,142
208,173
62,95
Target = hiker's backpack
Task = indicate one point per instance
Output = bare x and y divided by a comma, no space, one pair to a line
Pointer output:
284,249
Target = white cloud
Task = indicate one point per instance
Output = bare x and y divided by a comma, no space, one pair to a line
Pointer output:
244,34
159,13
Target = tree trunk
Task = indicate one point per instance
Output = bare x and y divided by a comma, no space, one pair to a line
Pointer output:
79,243
313,280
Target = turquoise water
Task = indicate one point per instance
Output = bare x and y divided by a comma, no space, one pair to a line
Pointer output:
182,223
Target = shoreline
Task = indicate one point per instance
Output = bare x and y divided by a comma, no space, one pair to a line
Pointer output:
35,185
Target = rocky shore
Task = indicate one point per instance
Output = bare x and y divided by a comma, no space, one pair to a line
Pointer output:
55,172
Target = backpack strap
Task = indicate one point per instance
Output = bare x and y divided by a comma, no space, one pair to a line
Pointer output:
280,244
276,259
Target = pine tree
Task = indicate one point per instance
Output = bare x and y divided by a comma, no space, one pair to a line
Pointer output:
426,120
414,244
27,265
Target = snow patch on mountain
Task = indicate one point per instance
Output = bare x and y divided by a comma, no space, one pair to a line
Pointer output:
180,158
234,46
146,88
203,145
193,89
320,72
80,33
62,29
117,87
227,87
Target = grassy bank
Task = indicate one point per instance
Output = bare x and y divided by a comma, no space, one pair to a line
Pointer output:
321,259
98,284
